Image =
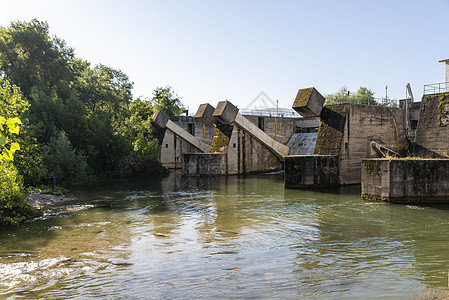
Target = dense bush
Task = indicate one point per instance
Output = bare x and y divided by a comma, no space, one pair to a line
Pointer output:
143,159
61,158
13,207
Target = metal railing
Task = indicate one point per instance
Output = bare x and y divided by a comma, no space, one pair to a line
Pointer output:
270,112
364,101
436,88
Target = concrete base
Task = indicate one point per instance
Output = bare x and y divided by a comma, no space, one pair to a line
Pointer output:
311,171
204,164
415,181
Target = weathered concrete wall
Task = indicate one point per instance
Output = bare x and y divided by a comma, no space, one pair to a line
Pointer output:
311,171
432,132
279,129
206,164
383,125
245,154
406,180
347,130
172,146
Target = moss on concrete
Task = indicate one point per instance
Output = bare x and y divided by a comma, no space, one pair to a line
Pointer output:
330,131
303,97
219,142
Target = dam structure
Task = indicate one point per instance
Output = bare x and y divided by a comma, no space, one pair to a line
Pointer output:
423,177
240,144
347,134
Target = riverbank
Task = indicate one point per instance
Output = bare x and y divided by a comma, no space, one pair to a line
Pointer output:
38,199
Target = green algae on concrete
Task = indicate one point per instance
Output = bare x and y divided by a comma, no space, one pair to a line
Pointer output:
406,180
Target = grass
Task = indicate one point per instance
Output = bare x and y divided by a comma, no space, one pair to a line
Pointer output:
46,189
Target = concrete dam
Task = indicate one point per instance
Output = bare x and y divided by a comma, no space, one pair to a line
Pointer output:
237,144
397,154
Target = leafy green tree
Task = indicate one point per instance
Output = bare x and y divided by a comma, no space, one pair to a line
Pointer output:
14,105
91,104
8,147
166,100
142,157
362,96
365,96
61,158
13,207
29,56
103,88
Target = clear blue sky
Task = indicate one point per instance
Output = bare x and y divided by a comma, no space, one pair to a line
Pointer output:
210,51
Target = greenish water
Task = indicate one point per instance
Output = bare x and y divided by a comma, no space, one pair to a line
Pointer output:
224,237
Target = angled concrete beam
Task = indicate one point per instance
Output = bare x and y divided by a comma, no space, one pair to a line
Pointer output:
161,120
227,113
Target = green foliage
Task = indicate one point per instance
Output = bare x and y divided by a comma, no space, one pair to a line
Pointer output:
165,100
362,96
103,88
29,56
12,106
13,207
91,104
12,103
143,159
61,158
7,147
56,190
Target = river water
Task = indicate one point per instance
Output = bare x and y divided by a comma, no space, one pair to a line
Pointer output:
225,237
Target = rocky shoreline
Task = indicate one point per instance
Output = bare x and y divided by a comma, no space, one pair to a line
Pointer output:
39,200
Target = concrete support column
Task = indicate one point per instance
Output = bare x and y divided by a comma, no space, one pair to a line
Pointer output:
446,62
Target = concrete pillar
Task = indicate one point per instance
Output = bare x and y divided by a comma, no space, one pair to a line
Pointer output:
446,62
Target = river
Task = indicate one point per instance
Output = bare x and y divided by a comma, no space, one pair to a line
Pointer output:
225,237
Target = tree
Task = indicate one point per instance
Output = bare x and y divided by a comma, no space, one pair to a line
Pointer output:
13,207
365,96
61,158
166,100
103,88
8,147
92,105
362,96
142,156
29,56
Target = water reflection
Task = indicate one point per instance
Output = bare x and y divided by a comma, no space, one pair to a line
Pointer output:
224,237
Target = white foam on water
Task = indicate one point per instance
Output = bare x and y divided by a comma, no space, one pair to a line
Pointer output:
29,272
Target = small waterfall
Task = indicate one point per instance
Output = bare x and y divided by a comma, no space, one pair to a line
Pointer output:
302,143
